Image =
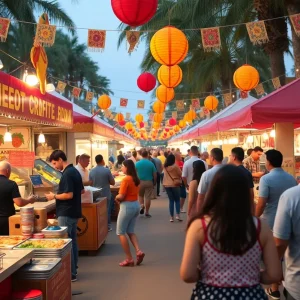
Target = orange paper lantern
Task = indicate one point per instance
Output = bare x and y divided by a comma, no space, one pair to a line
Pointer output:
119,117
191,115
157,118
169,76
128,126
169,46
186,118
156,125
176,128
164,94
211,102
246,78
181,124
139,118
104,102
159,107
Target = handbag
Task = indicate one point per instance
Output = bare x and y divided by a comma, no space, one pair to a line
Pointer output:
177,181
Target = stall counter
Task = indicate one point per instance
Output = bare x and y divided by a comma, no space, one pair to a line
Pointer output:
49,206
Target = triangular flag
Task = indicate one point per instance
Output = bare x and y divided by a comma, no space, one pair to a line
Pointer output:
123,102
128,114
295,20
4,26
45,35
89,96
227,99
196,103
141,104
76,92
180,105
276,83
61,86
260,90
132,39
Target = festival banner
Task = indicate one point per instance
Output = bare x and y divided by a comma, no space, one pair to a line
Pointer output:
227,99
211,38
260,90
61,86
45,35
174,114
276,83
76,92
180,105
141,104
295,20
123,102
107,113
201,114
257,32
89,96
4,26
127,117
96,39
196,103
132,39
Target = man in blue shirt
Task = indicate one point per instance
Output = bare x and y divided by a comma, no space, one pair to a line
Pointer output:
147,174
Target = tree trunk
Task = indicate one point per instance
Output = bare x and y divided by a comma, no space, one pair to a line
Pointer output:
277,65
293,7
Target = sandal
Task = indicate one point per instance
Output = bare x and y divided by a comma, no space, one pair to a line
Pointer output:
172,219
127,263
139,257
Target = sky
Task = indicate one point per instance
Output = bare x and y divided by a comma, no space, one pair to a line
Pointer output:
116,64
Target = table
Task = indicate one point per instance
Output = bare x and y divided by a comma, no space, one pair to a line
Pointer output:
49,206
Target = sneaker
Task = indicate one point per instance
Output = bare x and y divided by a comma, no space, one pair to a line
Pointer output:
142,210
273,294
109,229
74,278
158,195
172,220
182,211
148,215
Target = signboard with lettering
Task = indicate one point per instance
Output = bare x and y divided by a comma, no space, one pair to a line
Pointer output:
20,101
22,159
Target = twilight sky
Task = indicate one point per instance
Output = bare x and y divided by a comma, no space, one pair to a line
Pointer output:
121,68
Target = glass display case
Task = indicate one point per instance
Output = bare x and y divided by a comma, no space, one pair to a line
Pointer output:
48,173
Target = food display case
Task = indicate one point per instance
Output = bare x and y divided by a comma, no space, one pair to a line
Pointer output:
21,177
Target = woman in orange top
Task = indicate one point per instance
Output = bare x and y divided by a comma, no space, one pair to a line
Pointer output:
129,211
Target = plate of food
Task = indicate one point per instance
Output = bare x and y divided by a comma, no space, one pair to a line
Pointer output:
40,244
8,242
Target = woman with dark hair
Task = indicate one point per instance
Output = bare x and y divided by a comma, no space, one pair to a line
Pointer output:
119,162
129,211
198,170
225,243
172,182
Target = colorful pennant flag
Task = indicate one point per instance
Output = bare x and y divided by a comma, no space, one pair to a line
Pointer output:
76,92
96,39
89,96
205,111
151,116
260,89
174,114
141,104
61,86
295,20
132,39
128,114
180,105
123,102
4,26
257,32
276,83
201,114
211,38
107,113
227,99
45,35
196,103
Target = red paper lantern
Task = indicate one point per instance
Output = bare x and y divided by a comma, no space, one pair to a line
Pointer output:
172,122
134,12
122,123
142,124
146,82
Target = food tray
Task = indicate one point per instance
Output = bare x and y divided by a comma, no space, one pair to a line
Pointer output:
55,233
21,238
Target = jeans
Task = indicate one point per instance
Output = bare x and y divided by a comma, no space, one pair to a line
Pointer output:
71,223
158,183
174,198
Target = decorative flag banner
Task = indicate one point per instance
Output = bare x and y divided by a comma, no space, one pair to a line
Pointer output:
107,113
93,110
141,104
257,32
132,39
201,114
76,92
276,83
174,114
96,39
89,96
61,86
123,102
196,103
295,20
127,117
227,99
260,90
151,116
205,111
4,26
45,34
180,105
211,38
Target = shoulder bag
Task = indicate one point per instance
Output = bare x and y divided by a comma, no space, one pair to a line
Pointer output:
177,181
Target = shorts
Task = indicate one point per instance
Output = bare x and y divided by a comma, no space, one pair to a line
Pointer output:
128,214
146,189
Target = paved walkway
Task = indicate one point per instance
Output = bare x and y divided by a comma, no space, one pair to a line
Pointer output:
101,278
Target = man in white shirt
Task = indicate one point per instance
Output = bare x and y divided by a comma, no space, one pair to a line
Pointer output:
188,170
204,156
84,161
216,158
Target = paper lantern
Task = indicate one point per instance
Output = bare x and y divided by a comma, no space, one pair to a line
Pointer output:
172,122
157,118
246,78
165,94
176,128
169,46
139,118
181,124
128,126
134,13
146,82
191,115
141,125
159,107
119,117
104,102
156,125
211,102
122,123
167,129
169,76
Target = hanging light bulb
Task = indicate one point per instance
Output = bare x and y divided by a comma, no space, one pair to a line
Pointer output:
265,136
250,139
7,136
273,133
41,138
30,79
1,64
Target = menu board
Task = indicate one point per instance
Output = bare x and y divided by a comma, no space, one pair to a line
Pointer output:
21,159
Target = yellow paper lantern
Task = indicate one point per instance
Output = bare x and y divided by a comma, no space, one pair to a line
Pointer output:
129,126
169,46
176,128
164,94
158,107
119,117
246,78
169,76
156,125
157,118
211,102
104,102
181,124
191,114
186,118
139,118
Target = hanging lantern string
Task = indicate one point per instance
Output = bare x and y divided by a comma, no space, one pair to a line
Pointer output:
12,57
150,30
